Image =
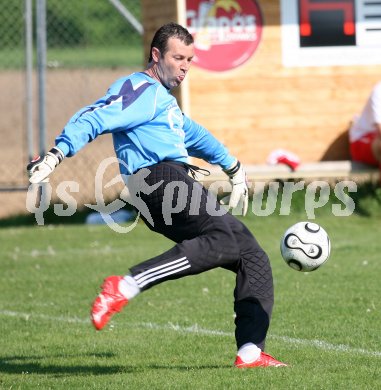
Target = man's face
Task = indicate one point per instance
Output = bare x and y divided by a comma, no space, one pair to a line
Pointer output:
174,65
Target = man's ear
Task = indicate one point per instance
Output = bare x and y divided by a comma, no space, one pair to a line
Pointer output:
155,54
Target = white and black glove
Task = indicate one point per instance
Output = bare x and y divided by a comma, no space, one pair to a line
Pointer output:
41,167
239,196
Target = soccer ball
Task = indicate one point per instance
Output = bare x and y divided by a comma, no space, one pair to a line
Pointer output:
305,246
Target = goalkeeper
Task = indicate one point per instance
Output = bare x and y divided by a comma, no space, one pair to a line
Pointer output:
153,136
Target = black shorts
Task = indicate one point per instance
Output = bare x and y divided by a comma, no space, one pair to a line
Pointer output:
183,210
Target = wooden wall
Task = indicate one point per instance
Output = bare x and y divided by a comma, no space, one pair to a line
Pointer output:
262,105
154,15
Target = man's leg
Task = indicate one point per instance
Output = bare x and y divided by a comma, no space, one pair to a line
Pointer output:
205,242
254,293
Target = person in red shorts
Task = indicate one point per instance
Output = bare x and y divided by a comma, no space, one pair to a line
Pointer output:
365,131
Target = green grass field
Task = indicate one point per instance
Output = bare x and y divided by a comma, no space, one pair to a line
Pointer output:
83,57
326,324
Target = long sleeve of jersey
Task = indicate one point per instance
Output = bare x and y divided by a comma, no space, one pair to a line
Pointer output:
120,109
146,124
202,144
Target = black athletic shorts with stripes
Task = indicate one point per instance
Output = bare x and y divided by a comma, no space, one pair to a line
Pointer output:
206,237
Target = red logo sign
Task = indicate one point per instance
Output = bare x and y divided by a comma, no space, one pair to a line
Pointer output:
226,32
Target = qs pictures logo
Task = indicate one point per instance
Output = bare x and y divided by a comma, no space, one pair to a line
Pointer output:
226,32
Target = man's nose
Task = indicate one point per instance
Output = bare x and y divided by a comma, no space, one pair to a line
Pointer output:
185,65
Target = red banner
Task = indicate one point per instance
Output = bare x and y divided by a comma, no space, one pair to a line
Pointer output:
226,32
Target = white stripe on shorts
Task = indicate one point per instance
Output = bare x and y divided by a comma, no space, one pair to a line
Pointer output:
161,271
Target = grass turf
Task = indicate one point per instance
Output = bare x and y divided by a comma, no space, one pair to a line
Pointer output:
180,335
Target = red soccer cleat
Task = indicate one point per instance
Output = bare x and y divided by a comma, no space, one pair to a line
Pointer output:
264,360
108,302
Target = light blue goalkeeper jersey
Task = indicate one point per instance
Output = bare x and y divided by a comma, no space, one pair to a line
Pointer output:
146,124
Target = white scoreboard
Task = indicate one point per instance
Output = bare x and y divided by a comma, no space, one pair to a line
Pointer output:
331,32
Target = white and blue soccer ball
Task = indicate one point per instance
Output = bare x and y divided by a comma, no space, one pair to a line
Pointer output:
305,246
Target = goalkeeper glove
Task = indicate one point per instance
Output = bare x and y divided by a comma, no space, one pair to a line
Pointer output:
41,167
240,192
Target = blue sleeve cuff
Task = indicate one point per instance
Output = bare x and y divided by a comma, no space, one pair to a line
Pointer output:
227,162
64,147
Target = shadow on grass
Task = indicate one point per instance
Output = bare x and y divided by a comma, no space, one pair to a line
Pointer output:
366,199
39,369
35,365
49,218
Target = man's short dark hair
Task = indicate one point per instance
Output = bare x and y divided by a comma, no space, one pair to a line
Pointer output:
169,30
